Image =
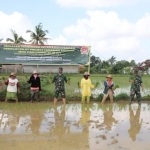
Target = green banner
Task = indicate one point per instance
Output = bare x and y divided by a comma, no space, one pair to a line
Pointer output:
45,54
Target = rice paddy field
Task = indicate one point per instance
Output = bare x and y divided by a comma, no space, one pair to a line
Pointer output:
72,90
74,126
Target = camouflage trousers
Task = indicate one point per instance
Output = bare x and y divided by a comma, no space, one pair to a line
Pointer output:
35,94
134,92
62,92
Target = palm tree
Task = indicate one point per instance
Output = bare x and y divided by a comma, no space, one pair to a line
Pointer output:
38,37
17,39
112,60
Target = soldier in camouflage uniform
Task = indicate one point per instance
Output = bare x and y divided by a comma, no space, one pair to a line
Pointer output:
136,81
59,80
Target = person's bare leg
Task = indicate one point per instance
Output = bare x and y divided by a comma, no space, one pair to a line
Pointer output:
111,96
64,100
55,101
104,98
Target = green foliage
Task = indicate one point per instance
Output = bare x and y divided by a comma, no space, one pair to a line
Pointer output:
24,91
50,77
147,97
46,93
97,83
122,96
16,38
38,37
93,69
116,86
100,97
26,77
44,81
3,94
4,78
132,77
72,91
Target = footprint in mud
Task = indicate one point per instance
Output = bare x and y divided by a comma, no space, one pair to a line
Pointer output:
112,137
103,137
114,141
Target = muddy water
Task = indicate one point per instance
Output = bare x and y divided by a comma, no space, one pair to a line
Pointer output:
41,126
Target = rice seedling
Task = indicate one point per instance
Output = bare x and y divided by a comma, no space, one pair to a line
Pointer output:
3,78
97,83
68,81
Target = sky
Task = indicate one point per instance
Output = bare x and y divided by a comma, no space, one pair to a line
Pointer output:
119,28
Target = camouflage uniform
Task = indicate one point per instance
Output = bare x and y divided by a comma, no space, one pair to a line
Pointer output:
135,88
59,85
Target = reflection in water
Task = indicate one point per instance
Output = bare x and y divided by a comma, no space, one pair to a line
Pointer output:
85,114
10,119
13,121
108,117
3,120
35,122
75,126
135,124
60,128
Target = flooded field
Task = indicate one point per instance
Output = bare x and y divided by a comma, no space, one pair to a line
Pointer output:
41,126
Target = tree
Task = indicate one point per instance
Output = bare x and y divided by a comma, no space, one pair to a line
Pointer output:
132,63
38,37
112,60
105,64
17,39
1,40
119,66
95,61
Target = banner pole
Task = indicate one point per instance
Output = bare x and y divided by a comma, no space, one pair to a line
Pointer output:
89,61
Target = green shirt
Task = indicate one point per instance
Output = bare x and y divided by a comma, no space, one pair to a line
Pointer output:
59,81
137,82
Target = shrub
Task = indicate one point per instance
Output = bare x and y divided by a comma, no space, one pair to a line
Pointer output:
3,94
122,96
100,97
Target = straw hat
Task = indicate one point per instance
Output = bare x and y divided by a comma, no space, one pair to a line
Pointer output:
35,72
86,74
109,76
13,74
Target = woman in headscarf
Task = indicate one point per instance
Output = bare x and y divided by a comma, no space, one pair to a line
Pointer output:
108,89
35,86
86,86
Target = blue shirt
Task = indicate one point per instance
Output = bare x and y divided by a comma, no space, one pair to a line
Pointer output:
107,87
